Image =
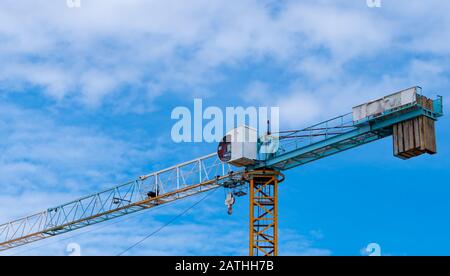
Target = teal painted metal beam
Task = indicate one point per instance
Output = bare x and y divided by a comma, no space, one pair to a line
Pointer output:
363,133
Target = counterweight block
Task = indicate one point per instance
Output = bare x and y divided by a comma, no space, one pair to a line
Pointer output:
416,136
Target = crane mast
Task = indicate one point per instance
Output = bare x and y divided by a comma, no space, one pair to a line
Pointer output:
210,172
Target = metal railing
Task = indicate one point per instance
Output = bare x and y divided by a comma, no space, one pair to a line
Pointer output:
315,133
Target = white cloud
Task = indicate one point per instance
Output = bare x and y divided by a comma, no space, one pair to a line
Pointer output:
301,245
298,108
38,152
90,53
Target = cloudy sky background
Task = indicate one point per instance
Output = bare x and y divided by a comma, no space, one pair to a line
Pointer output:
86,96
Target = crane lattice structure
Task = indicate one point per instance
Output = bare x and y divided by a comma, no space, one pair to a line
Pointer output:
209,172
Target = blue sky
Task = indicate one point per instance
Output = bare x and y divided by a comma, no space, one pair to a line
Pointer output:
86,96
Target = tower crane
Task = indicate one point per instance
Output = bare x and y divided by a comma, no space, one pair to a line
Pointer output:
407,115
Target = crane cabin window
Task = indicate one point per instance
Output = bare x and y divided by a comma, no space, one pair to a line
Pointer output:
224,149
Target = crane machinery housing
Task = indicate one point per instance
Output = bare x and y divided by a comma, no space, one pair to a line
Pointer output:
407,115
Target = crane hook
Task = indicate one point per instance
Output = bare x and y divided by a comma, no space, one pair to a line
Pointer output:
229,202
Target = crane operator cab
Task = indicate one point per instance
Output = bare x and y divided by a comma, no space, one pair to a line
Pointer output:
239,147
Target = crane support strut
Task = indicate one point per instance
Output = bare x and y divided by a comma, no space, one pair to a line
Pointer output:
264,212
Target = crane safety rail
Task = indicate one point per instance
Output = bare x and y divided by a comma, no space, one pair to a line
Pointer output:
177,182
